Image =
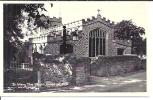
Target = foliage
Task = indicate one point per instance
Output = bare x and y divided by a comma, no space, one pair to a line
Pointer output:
15,16
128,31
56,70
22,54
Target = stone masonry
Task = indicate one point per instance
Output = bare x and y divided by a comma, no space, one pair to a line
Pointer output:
51,44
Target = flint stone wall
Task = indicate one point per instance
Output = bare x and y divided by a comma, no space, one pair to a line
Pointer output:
82,70
73,71
115,65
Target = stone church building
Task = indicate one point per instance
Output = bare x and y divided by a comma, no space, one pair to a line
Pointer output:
89,37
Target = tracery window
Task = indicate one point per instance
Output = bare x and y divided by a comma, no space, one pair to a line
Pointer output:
97,38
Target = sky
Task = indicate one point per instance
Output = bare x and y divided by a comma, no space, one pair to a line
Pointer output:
138,12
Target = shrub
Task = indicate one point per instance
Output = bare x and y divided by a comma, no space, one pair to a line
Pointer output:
57,70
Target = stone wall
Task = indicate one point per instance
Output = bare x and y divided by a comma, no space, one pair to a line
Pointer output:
56,74
81,46
108,27
115,65
143,63
70,71
124,44
92,24
82,70
52,48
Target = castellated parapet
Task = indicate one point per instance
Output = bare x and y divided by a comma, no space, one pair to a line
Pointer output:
100,27
55,21
98,18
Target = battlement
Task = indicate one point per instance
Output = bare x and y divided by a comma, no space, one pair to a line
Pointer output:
56,32
51,37
55,19
108,22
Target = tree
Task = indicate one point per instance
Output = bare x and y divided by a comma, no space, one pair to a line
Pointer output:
22,54
13,21
126,30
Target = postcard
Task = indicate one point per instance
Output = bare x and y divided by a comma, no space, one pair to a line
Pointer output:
76,48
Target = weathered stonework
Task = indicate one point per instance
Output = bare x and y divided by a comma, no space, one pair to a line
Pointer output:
81,46
115,65
52,49
81,71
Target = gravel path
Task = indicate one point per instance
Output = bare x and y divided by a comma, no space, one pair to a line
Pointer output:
131,82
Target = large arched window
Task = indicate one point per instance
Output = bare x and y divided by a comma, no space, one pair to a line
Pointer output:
97,38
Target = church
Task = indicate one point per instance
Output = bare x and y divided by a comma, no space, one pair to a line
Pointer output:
89,37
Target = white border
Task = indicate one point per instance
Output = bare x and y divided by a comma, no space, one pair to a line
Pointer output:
149,60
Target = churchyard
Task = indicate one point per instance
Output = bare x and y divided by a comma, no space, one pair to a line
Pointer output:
67,72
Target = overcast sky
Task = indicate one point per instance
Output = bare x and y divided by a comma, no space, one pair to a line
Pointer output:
115,11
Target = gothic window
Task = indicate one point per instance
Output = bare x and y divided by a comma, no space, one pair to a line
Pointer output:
90,45
97,46
103,46
93,47
101,42
97,42
89,34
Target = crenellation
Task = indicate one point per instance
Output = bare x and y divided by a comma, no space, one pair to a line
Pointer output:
113,23
55,36
108,21
93,18
88,19
104,18
80,47
58,34
56,20
83,21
